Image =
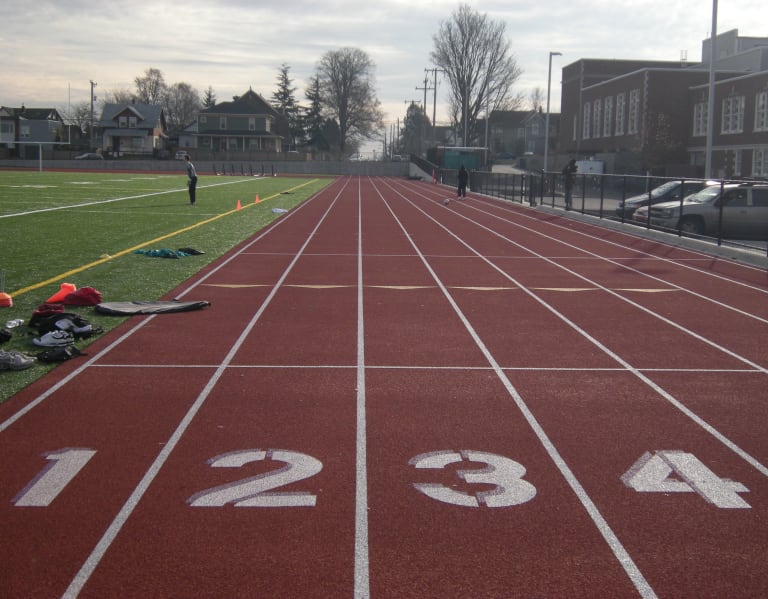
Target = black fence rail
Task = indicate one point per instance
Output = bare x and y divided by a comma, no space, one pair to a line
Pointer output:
738,218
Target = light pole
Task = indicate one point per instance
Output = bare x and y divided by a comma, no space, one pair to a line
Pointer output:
711,98
93,84
546,126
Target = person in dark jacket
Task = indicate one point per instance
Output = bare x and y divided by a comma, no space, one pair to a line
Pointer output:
569,175
191,180
461,192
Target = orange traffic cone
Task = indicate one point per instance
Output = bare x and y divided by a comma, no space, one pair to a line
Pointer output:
5,298
58,297
256,200
239,207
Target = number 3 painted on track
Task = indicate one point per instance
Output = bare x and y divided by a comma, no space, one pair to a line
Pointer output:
506,474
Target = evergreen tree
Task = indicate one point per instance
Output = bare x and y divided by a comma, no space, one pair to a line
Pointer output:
284,102
414,130
209,98
313,121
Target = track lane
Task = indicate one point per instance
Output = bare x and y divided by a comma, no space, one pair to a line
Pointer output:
538,434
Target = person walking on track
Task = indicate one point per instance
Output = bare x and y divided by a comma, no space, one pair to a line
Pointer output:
191,180
461,192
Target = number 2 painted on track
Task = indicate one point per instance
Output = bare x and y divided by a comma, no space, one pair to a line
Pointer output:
253,492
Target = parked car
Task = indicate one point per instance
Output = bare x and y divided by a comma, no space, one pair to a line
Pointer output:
744,208
89,156
667,192
181,154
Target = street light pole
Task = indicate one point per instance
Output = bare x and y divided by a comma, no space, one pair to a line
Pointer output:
711,98
93,84
546,126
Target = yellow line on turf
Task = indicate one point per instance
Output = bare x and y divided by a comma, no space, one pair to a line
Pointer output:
84,267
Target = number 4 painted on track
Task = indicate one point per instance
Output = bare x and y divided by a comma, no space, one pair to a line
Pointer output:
651,473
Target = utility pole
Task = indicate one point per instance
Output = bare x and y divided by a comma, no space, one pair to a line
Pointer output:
546,127
422,144
434,71
93,98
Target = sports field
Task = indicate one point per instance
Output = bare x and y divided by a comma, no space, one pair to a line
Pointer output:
394,397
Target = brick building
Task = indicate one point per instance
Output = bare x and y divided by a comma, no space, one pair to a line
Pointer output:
640,116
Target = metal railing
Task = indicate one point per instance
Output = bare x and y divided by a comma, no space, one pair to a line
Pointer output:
604,196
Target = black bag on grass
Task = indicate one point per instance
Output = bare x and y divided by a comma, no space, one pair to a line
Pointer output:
59,354
67,321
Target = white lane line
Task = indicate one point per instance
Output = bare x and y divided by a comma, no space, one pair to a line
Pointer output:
700,257
617,295
93,560
362,568
622,555
681,262
111,200
752,461
746,371
639,272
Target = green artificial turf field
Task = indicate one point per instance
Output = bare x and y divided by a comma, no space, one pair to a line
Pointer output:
85,229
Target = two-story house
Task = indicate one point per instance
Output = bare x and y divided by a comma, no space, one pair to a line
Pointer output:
23,131
132,129
248,125
639,116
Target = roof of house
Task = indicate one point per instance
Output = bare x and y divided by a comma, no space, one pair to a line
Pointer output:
32,114
149,115
249,103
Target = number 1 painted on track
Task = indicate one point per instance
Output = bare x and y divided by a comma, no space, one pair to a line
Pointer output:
46,486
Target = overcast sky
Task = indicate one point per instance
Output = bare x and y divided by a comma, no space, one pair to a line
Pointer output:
52,49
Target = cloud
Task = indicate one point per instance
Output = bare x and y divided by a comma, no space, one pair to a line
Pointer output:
52,49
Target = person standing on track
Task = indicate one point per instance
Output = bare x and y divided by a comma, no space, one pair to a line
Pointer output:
461,192
191,180
569,174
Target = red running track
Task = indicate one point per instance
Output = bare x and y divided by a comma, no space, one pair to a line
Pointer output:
390,397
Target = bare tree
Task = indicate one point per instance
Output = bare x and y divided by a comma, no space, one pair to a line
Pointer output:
118,96
348,96
78,115
537,99
151,88
475,55
182,103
